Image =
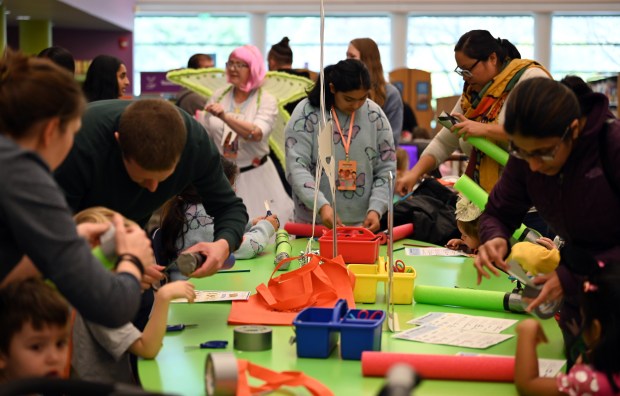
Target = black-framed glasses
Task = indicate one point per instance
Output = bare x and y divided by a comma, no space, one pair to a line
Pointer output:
546,154
466,72
236,65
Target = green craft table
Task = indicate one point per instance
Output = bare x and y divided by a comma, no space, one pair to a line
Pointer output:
179,367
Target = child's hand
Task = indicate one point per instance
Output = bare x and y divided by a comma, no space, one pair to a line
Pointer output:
273,219
178,289
531,329
327,216
455,244
372,221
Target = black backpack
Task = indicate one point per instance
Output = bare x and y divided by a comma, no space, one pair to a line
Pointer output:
431,210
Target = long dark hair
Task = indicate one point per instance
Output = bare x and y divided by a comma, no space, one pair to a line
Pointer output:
173,224
101,82
346,75
480,44
540,107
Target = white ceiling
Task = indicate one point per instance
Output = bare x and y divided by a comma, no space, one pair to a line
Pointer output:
83,14
118,14
374,6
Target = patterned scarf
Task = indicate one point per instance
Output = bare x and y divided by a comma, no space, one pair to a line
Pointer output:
485,107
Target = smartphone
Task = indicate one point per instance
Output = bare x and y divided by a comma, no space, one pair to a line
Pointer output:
448,118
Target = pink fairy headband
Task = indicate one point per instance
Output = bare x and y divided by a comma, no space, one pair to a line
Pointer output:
252,56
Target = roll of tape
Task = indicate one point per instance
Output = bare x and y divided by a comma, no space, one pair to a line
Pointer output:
252,338
221,374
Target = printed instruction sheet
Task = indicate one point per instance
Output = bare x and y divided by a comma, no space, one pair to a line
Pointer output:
215,295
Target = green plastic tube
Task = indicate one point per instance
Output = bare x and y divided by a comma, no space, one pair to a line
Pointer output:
490,149
283,248
482,144
468,298
479,197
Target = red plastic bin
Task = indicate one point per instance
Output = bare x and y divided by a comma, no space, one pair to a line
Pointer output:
356,245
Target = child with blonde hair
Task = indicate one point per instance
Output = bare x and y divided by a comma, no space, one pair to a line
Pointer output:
101,353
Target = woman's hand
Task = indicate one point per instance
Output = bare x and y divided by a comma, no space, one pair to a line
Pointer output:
327,217
546,242
468,128
215,109
405,183
372,221
551,290
490,255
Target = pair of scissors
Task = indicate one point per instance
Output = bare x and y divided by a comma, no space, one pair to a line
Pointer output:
399,266
179,327
365,314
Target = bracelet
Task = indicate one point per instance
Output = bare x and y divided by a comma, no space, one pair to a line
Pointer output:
132,259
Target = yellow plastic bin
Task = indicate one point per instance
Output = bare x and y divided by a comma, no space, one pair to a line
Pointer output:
367,277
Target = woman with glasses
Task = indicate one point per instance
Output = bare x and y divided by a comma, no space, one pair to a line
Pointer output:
564,155
240,118
490,67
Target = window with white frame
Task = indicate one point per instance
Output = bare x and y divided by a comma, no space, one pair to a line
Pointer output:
163,43
587,46
431,41
304,35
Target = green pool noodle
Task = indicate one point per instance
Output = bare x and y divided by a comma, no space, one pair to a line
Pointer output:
283,248
479,197
458,297
107,263
489,148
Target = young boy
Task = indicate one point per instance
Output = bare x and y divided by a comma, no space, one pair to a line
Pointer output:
101,353
34,331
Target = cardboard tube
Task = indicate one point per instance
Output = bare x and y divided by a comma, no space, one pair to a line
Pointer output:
304,230
459,297
442,367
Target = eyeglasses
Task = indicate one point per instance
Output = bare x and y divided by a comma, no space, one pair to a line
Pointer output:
547,154
466,72
236,65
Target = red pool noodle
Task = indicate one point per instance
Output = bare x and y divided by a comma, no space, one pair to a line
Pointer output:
442,367
304,230
399,232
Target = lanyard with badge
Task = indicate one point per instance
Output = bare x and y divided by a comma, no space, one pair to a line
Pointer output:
347,169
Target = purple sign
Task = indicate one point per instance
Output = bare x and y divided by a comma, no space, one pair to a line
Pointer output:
156,83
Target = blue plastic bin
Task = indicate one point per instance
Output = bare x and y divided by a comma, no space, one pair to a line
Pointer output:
317,330
359,334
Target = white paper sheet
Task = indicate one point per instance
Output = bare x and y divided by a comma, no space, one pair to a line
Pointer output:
449,336
215,295
431,251
455,321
